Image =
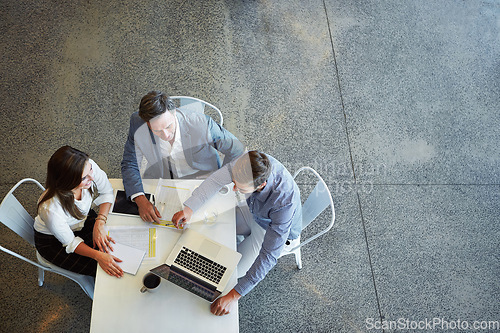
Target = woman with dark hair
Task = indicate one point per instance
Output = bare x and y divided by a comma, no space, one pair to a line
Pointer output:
67,231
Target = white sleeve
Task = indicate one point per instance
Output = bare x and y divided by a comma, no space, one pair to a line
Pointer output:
103,185
56,221
71,247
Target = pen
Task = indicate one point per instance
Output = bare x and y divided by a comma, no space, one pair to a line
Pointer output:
164,223
169,224
181,221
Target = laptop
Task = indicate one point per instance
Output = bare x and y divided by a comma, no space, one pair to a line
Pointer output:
200,265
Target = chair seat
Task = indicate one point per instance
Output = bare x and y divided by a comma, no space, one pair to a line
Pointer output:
317,201
86,282
293,248
291,245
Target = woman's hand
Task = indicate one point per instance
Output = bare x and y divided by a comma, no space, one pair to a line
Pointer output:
109,264
101,238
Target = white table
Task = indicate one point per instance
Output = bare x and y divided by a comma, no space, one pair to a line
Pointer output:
118,304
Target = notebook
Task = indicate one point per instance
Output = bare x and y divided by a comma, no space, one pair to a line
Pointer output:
131,257
200,265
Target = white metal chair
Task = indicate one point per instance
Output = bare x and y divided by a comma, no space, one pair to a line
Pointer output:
317,201
195,104
15,217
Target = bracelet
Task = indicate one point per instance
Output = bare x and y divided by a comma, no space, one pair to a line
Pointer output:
104,217
100,218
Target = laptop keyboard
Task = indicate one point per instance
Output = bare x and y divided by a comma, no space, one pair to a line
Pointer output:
200,265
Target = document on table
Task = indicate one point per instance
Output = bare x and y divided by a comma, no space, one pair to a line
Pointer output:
142,238
169,199
131,258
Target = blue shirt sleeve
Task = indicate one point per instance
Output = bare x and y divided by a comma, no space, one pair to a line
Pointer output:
209,187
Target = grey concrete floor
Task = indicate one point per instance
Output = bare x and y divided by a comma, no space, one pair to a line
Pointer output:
395,103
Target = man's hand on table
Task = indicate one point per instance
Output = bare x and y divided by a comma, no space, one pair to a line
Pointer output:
223,305
182,217
147,211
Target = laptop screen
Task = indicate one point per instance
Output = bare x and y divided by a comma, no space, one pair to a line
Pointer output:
187,281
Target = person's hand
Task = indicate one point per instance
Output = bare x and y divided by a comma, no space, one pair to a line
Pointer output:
108,263
101,238
182,217
223,305
147,211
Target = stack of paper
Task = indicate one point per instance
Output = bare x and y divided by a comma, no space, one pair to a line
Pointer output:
131,257
168,200
142,238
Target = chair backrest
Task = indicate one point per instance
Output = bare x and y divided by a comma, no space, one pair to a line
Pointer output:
195,104
317,201
15,216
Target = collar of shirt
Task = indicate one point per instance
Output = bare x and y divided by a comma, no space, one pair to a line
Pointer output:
180,167
264,194
177,135
170,149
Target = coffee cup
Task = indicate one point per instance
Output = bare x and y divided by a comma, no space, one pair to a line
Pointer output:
150,282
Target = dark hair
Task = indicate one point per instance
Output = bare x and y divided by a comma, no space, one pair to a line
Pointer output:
255,162
64,173
154,104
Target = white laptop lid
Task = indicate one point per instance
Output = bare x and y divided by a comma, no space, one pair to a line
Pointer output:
208,248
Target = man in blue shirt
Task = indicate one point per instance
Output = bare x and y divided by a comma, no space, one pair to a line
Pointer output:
273,199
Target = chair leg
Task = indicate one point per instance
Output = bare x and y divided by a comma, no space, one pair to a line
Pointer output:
298,258
41,276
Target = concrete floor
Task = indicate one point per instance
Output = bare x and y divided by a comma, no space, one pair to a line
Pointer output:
395,103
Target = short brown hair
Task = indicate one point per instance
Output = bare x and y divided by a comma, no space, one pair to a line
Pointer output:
153,104
253,167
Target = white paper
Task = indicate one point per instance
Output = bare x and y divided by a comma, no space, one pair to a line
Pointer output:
131,257
143,238
169,199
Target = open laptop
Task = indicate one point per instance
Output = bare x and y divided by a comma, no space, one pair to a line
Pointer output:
199,265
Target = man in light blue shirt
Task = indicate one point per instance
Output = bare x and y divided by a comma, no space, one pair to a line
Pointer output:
273,199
